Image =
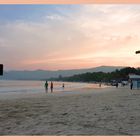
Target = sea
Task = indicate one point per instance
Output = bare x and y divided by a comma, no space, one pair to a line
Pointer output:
25,87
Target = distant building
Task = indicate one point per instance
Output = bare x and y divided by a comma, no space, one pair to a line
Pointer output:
136,80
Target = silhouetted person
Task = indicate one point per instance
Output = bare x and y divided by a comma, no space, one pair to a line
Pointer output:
117,85
51,87
46,86
131,85
63,86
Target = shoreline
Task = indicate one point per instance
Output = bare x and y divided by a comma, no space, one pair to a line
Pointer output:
15,89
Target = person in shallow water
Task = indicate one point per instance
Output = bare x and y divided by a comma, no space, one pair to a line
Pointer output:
51,87
46,86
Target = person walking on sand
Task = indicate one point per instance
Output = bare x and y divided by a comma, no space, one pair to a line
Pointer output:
46,86
51,87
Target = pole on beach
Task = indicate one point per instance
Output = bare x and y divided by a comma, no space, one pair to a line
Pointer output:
1,69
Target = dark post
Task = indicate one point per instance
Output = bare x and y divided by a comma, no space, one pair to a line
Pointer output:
137,52
1,69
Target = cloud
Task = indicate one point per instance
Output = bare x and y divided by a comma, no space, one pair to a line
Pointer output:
86,37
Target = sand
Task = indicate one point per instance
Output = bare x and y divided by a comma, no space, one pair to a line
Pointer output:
106,111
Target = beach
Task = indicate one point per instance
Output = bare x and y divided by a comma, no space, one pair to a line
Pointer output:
105,111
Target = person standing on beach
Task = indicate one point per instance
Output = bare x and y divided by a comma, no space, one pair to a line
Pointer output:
46,86
51,87
117,85
100,84
63,85
131,85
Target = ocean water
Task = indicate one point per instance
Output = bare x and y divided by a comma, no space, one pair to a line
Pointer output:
21,86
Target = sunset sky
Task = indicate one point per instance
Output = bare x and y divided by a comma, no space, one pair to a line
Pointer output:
52,37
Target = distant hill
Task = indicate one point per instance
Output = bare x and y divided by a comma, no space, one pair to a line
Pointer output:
117,75
45,74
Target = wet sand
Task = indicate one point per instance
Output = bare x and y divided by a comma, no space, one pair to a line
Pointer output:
107,111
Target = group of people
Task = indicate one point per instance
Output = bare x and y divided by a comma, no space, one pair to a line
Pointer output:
46,86
51,86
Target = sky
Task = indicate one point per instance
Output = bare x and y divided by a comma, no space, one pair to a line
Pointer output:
54,37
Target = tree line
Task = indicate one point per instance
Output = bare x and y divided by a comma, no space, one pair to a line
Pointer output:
118,75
